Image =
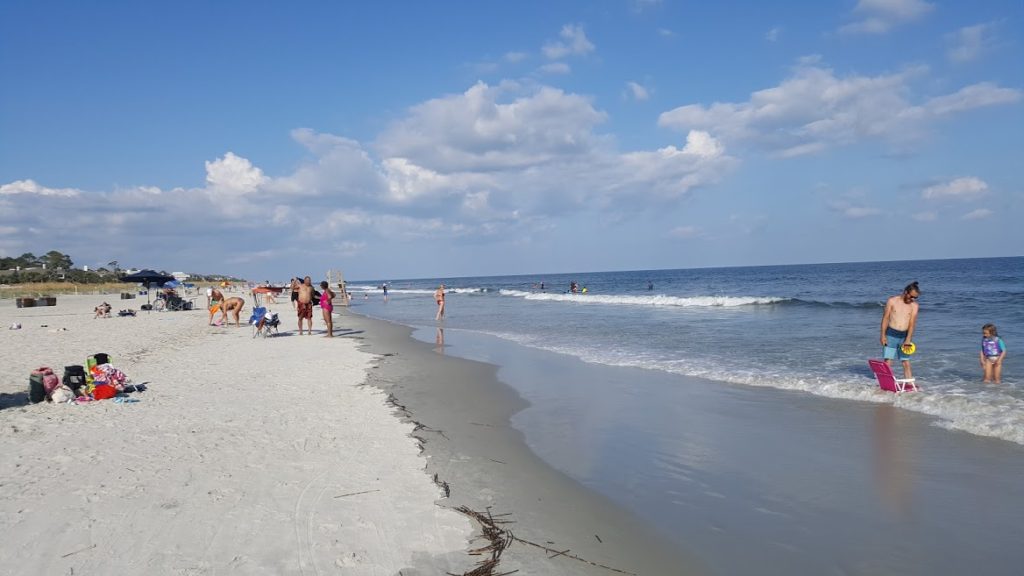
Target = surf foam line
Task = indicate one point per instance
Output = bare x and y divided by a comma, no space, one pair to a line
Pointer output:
656,300
977,414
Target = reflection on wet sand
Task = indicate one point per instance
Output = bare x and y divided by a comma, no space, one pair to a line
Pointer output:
892,466
439,341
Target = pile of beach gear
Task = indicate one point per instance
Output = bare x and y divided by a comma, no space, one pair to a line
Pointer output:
98,379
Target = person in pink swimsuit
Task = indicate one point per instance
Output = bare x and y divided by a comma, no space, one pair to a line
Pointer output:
327,306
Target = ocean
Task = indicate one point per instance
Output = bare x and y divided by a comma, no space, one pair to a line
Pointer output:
734,410
809,328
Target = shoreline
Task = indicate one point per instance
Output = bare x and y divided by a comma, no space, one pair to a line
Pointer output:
764,481
463,413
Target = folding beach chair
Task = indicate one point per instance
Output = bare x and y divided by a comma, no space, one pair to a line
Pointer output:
888,381
263,322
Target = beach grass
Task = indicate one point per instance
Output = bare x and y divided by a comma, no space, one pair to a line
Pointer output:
38,289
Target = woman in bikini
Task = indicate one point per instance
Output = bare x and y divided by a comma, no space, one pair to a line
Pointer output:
439,297
327,306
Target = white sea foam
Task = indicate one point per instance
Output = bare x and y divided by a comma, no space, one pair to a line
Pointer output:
992,415
654,300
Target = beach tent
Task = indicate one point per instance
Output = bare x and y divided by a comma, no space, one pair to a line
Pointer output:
147,277
172,284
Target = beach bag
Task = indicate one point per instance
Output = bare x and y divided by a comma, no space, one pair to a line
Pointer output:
36,388
62,394
104,391
41,383
74,377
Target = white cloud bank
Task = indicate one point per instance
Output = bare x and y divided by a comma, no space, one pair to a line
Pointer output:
815,109
490,162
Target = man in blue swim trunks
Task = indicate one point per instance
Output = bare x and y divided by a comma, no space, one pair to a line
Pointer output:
898,323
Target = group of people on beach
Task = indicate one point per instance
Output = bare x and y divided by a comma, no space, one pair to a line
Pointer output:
897,336
302,297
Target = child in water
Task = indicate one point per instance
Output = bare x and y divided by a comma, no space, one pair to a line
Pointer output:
993,350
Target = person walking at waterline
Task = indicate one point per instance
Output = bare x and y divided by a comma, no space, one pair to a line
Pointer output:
439,298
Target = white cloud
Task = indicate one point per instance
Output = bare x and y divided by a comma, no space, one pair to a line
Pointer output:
881,16
969,42
349,248
555,68
930,216
233,175
666,33
573,42
815,109
515,56
31,187
853,211
702,144
490,162
685,232
979,214
973,96
773,34
966,188
637,91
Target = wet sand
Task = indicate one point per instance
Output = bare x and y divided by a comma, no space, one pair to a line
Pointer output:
465,415
738,479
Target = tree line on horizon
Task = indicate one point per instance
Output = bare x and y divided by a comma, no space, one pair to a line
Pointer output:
55,266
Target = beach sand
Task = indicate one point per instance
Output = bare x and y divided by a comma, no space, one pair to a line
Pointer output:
241,456
287,455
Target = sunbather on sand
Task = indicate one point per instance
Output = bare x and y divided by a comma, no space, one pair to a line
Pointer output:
234,305
102,311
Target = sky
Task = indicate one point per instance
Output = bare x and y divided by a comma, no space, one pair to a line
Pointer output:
406,139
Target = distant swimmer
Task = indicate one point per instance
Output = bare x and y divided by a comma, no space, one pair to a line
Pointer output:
650,285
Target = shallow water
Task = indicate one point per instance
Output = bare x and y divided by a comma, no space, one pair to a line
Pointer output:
807,328
761,463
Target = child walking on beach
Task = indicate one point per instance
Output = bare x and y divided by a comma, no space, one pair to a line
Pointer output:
993,350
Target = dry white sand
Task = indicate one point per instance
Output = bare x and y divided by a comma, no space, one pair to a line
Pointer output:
242,456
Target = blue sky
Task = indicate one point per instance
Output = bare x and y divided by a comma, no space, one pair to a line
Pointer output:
425,139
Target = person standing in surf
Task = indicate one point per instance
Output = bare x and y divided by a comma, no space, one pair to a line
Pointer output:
898,322
439,298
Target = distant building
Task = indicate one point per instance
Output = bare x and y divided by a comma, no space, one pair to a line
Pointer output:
179,276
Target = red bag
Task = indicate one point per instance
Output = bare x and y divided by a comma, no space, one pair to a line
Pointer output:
103,392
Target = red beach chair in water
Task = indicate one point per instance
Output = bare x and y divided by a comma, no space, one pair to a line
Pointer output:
888,381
